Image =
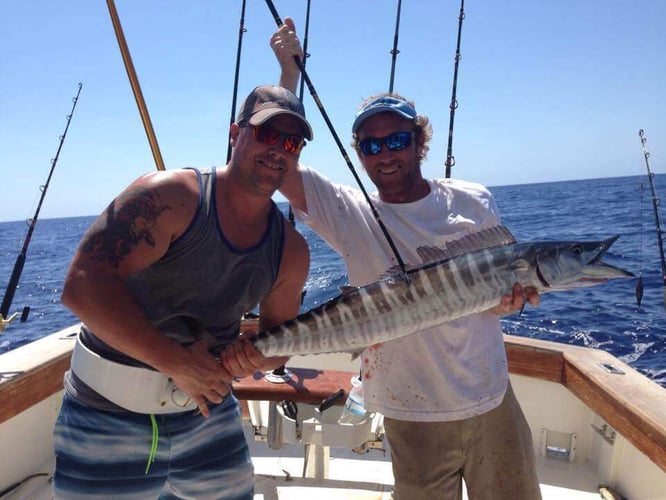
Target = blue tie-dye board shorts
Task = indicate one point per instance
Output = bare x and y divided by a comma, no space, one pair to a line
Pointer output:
102,454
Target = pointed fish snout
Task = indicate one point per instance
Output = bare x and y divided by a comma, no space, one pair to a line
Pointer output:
607,243
601,268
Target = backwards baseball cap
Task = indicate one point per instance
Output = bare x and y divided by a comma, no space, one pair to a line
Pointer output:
383,104
267,101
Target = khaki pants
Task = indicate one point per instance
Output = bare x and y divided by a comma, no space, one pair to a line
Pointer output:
493,452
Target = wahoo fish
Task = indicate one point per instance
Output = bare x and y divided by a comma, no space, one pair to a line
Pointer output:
467,277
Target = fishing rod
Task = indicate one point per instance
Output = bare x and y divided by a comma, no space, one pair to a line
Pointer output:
660,232
395,50
292,219
305,47
241,30
136,88
450,159
20,260
300,93
324,114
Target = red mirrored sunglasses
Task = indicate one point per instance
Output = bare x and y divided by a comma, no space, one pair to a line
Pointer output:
268,135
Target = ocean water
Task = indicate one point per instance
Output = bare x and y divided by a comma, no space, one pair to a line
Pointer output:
604,317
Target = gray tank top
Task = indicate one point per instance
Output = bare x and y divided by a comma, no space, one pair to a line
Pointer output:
202,283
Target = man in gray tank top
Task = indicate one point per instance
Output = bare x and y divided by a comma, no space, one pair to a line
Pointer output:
160,281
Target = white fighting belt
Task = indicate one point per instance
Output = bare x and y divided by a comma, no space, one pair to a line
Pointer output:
136,389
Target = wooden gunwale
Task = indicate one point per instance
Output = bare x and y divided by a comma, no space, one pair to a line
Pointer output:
630,403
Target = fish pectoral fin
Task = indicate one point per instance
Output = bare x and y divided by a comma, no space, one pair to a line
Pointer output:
520,265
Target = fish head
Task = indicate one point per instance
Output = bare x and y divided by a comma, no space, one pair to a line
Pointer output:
565,265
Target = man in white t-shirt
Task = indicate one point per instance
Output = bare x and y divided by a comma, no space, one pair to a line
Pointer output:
444,392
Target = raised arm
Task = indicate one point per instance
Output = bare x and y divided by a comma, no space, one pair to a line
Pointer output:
286,45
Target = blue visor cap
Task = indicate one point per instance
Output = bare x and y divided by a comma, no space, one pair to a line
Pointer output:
382,105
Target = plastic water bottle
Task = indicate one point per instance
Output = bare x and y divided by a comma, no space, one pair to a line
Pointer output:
354,410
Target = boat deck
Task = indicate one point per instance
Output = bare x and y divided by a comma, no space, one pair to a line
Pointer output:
278,476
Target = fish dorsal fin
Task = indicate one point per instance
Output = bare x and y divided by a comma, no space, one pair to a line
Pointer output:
346,289
497,236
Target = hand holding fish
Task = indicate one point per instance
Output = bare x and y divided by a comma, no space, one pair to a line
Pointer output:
516,300
202,378
241,358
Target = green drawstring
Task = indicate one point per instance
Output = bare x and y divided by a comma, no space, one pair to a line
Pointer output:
153,445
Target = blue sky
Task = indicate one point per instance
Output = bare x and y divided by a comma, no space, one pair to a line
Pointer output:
547,90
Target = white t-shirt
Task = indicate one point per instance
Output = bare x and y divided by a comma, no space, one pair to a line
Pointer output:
451,372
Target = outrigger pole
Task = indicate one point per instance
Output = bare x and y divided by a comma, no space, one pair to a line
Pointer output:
395,51
660,232
450,159
20,260
315,97
136,88
241,30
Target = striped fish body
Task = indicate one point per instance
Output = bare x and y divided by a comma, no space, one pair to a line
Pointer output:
435,293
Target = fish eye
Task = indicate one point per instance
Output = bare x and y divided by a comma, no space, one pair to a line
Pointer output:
577,250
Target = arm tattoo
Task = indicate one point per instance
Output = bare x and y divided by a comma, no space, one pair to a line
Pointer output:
113,237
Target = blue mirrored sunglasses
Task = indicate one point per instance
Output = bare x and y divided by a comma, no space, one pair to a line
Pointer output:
395,142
